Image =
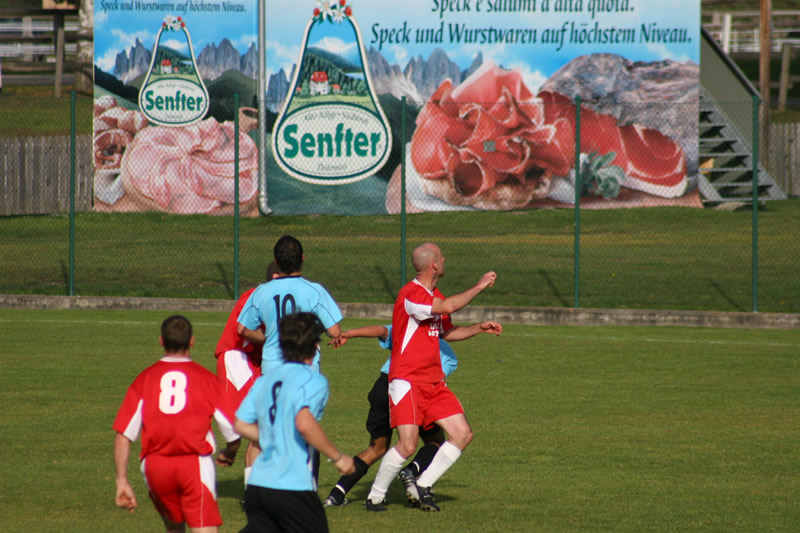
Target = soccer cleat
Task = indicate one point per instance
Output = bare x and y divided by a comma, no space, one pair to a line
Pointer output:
426,502
335,499
410,483
375,507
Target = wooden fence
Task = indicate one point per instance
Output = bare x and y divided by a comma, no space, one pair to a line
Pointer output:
35,175
784,157
34,171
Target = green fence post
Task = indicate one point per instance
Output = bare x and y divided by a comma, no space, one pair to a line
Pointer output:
72,149
403,192
235,196
755,200
578,187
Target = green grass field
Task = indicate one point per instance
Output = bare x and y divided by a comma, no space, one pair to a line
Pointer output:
576,429
648,258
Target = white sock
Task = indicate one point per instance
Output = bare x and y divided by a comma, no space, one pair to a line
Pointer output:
447,455
392,464
247,471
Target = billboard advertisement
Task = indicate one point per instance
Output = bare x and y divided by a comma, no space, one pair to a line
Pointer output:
490,116
165,78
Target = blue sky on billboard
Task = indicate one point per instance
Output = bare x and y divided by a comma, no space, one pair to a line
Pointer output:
287,19
648,21
128,26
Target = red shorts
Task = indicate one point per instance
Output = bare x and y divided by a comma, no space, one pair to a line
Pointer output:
183,488
238,373
420,405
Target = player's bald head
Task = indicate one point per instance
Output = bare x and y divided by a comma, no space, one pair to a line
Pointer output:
425,254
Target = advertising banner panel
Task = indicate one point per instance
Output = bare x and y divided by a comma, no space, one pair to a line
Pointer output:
166,73
490,119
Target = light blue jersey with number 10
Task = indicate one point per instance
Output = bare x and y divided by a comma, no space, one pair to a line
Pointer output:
285,296
286,459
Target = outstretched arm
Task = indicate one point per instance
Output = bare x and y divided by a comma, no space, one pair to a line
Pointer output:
255,336
334,331
125,497
380,332
460,333
313,434
451,304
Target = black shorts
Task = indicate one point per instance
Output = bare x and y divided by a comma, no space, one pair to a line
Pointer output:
378,424
378,416
283,510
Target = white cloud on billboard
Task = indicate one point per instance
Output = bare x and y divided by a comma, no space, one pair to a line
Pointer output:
106,61
335,45
176,44
533,78
127,40
495,52
401,56
244,42
285,57
665,53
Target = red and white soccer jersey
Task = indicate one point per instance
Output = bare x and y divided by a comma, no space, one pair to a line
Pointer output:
238,360
415,334
172,403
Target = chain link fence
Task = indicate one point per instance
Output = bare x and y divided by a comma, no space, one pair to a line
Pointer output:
493,185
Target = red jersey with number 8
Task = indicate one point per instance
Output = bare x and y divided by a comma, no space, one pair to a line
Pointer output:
172,403
415,335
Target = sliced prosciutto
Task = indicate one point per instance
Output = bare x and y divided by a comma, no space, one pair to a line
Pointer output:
190,169
656,164
488,130
492,130
652,162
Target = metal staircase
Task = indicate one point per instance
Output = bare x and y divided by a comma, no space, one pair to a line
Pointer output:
726,165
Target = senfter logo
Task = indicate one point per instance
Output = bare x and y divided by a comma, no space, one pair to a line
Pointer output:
173,93
331,129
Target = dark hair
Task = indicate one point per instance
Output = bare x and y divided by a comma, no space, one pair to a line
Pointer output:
272,269
176,333
288,254
298,335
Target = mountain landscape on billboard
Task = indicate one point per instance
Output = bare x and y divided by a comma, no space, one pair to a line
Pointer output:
278,88
212,61
417,81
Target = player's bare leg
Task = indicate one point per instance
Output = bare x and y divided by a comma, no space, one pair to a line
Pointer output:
432,440
173,527
460,435
392,463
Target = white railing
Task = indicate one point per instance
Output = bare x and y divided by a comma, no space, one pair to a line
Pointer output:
739,31
33,26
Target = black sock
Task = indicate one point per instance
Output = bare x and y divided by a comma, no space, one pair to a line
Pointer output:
349,481
423,459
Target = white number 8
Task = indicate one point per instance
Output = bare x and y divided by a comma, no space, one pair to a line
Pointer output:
173,393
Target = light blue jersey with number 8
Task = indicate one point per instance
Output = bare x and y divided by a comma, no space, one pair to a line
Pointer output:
286,459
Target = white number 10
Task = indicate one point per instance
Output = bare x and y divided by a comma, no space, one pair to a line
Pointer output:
173,393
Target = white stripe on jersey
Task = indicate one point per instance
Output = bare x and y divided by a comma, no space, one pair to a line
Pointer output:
135,425
225,426
416,314
211,440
